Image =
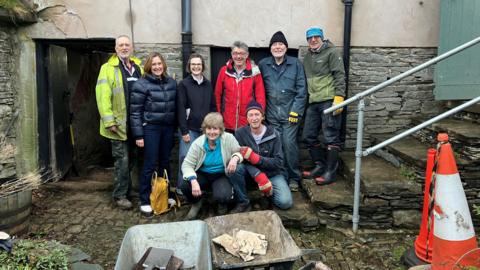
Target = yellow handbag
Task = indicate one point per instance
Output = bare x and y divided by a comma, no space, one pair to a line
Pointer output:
159,197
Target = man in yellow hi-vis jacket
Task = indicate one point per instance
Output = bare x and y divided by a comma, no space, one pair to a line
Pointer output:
112,91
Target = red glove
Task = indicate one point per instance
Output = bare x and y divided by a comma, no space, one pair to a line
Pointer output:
264,184
250,155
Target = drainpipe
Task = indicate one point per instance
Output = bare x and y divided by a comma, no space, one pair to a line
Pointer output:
347,32
186,33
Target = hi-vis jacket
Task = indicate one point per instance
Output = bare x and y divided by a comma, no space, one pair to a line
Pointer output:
111,100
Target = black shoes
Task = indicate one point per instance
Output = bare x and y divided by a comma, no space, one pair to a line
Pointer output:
241,208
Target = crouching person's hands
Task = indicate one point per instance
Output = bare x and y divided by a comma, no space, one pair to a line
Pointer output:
196,191
250,155
264,184
232,165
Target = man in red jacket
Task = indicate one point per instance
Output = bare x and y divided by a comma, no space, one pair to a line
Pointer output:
238,82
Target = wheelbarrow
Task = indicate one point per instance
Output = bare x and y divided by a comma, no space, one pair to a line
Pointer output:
188,239
282,251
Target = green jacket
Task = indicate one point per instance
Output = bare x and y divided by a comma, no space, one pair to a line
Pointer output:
325,73
196,154
110,96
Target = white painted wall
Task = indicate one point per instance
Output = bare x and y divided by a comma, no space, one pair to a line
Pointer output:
384,23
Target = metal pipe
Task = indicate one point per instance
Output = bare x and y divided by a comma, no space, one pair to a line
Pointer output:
422,125
358,166
186,33
347,33
186,16
403,75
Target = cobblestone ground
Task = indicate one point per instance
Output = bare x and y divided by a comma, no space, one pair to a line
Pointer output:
81,213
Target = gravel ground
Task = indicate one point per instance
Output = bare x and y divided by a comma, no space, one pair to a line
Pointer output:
81,213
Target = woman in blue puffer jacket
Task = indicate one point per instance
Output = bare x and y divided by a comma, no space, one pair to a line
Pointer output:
152,119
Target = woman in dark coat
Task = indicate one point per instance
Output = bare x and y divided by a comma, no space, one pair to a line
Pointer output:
152,119
194,100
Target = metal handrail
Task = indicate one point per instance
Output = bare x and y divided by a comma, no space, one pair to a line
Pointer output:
403,75
361,107
437,118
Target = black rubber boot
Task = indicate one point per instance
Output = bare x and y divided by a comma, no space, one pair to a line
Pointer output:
330,174
318,156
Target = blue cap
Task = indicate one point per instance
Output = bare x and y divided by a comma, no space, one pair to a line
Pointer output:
314,31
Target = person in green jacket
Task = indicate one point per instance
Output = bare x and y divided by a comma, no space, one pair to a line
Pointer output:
114,82
326,87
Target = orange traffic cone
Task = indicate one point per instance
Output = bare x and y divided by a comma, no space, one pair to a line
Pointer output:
453,233
424,241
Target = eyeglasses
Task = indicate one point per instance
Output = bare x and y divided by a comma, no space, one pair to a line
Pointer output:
195,64
239,53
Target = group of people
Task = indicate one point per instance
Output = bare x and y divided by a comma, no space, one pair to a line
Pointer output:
240,132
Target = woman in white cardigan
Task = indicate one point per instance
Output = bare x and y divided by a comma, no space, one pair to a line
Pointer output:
212,159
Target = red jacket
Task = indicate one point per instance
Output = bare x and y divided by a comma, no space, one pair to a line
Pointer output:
232,95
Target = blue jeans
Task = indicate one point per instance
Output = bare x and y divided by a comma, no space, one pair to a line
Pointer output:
288,133
282,197
316,120
158,143
182,152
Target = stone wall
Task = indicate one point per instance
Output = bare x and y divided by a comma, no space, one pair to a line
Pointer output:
7,103
173,56
392,109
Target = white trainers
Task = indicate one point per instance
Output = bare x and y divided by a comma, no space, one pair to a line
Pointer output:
146,209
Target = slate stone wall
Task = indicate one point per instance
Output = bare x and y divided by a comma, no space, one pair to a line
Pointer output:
391,109
8,63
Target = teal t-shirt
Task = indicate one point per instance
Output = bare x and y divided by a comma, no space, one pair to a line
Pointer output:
213,162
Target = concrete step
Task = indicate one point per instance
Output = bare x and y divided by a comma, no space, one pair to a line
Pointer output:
333,203
463,130
380,178
464,135
410,154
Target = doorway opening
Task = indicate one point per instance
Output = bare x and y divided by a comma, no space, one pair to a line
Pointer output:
68,118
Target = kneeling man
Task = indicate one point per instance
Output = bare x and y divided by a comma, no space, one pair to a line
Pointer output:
261,147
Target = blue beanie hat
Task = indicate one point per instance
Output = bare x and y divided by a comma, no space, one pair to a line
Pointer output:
314,31
253,104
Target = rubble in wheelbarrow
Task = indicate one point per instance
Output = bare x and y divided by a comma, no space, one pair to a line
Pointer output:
243,244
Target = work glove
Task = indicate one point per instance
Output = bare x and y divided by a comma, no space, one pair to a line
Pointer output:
337,100
293,118
250,155
264,184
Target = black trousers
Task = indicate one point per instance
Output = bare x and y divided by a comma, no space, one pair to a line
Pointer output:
221,188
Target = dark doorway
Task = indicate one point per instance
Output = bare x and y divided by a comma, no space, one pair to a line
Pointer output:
68,120
220,56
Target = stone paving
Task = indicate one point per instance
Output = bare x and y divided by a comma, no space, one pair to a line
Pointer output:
80,213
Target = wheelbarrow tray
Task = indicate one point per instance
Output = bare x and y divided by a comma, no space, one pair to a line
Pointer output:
281,247
189,241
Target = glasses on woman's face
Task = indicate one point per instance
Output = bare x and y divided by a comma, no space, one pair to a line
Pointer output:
195,64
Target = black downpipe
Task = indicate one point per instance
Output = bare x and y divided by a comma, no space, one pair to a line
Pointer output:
186,33
347,33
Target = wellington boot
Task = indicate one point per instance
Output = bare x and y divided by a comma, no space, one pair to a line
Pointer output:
330,174
194,210
318,156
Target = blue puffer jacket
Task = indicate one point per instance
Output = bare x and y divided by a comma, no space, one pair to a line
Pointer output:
152,101
286,89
